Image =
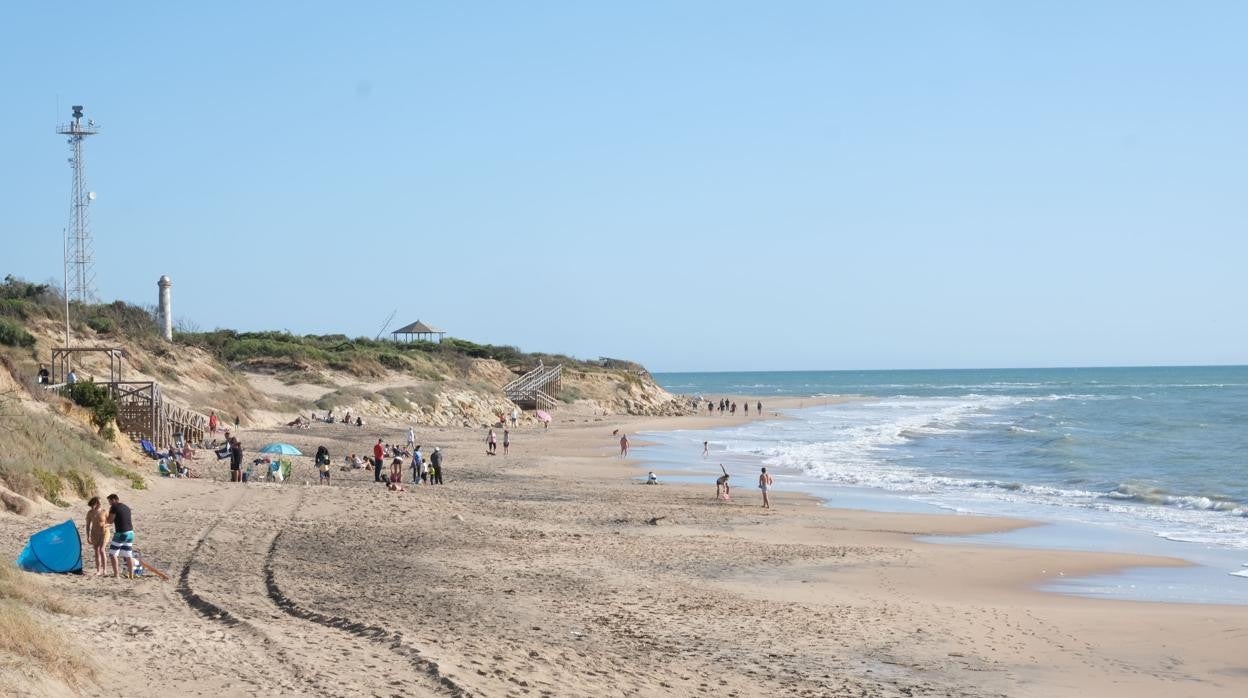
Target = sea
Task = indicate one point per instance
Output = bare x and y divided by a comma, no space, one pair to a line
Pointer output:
1147,460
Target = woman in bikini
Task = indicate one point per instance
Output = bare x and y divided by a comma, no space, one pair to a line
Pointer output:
96,528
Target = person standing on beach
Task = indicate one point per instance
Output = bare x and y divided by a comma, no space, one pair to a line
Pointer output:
396,470
97,527
764,484
747,409
122,544
721,485
515,417
418,465
706,448
236,460
212,425
379,452
506,440
759,408
411,437
624,446
435,466
490,444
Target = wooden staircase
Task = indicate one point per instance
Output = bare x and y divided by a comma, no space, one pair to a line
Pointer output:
536,390
143,413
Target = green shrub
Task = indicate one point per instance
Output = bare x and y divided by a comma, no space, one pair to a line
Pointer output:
95,398
102,325
14,307
15,335
50,486
394,362
570,394
83,484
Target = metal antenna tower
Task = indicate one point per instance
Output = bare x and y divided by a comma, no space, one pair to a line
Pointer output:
79,258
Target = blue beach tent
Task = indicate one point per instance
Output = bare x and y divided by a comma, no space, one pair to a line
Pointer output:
57,549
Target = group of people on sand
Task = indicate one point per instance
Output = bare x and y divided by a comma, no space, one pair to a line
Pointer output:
121,543
491,442
424,471
723,491
730,406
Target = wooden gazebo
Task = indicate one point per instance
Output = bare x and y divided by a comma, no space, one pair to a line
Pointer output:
418,331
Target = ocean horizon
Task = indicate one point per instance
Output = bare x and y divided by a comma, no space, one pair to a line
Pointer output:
1160,451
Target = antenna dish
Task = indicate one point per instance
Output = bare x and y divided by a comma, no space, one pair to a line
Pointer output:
91,195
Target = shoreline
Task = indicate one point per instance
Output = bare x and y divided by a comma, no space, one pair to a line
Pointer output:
1207,586
552,569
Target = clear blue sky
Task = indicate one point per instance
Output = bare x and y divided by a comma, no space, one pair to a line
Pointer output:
697,186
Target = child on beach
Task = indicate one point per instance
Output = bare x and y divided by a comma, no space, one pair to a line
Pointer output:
324,468
96,528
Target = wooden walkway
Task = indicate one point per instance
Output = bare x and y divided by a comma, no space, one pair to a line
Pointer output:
537,389
142,412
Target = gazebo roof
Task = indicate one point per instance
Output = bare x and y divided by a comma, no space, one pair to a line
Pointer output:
418,327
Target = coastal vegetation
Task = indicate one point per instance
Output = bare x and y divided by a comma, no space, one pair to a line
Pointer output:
29,647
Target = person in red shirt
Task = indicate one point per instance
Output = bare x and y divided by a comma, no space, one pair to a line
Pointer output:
212,425
378,452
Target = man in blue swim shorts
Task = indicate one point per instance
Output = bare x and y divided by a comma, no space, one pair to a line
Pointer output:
122,544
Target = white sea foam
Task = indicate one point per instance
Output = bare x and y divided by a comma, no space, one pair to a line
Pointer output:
864,445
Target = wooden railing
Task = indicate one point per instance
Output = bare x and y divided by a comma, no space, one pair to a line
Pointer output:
533,390
143,413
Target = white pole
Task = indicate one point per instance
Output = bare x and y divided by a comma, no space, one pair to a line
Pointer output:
65,280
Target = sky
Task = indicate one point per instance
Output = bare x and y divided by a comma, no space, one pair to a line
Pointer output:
692,185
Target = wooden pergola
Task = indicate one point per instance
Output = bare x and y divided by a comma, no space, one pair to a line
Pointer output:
63,361
418,331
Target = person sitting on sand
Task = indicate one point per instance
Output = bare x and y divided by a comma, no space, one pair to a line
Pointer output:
721,485
395,486
359,421
652,479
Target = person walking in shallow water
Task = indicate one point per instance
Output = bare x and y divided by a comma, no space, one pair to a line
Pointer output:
764,484
706,448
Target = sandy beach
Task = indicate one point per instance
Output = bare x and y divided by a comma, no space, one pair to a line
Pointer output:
554,572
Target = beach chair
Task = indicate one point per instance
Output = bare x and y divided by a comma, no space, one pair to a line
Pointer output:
149,449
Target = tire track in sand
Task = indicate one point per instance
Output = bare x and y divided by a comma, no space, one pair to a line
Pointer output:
392,641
